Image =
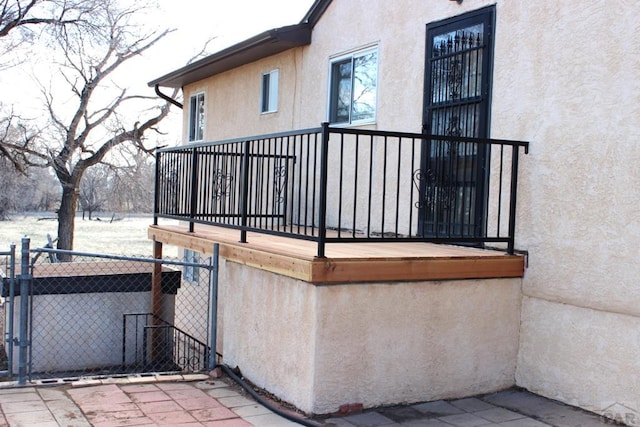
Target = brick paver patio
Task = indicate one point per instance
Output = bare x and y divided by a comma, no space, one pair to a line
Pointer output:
205,402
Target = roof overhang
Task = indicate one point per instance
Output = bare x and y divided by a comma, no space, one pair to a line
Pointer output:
261,46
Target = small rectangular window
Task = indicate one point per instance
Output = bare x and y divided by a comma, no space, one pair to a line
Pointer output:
191,272
196,117
269,100
353,88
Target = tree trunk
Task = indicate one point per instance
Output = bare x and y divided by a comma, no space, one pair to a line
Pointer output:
66,219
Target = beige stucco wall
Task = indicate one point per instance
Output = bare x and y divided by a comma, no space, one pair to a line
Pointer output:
382,344
319,347
268,328
565,79
575,97
579,355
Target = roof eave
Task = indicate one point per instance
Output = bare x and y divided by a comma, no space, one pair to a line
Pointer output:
266,44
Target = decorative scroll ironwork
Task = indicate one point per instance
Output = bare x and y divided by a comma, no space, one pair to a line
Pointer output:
221,184
453,127
436,193
280,181
190,363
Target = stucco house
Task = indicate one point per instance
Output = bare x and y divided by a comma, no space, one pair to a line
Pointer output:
384,257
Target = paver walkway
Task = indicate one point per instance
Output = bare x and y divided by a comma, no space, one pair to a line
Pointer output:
216,403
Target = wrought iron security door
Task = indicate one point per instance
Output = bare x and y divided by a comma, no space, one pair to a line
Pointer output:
453,176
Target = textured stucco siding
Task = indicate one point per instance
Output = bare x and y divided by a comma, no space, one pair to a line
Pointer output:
319,347
269,330
565,79
383,344
580,356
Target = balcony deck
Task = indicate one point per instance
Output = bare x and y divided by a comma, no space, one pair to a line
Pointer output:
344,262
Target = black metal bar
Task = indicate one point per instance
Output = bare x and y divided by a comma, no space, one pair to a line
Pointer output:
156,190
369,208
245,192
244,139
322,205
341,185
384,185
512,198
194,188
355,187
124,340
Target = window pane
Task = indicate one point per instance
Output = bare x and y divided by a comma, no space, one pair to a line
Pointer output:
273,90
269,101
265,93
365,77
196,117
200,121
340,91
192,118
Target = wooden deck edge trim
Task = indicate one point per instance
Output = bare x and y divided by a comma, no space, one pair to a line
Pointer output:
239,253
335,271
419,269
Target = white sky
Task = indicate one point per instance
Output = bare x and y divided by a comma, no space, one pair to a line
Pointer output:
195,21
229,21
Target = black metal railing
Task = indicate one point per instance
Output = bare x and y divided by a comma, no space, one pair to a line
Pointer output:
151,343
333,185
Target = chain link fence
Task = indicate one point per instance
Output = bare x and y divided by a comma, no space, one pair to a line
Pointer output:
103,315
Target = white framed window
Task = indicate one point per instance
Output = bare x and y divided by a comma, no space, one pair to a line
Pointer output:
353,87
196,117
191,272
269,98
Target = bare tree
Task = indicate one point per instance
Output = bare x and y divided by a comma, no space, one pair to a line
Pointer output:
100,115
132,189
16,139
94,189
20,23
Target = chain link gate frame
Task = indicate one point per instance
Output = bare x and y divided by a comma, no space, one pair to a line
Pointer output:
102,315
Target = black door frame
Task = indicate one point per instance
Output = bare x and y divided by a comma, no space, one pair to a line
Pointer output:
485,16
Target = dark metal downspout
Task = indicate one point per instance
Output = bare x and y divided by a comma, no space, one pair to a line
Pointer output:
167,98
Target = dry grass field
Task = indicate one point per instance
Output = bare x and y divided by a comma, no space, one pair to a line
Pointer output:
126,235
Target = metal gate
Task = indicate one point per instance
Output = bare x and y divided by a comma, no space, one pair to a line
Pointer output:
105,315
454,171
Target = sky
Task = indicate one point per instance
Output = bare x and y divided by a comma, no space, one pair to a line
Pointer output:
195,22
229,21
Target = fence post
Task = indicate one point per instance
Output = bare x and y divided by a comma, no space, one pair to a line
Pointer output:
213,304
322,214
25,281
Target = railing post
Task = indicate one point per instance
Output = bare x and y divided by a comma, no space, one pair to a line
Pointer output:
194,188
512,199
322,219
156,191
245,193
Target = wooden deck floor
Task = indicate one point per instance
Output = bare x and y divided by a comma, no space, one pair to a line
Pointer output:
344,262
